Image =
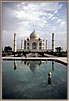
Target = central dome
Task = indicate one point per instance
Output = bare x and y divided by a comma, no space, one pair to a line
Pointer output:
34,35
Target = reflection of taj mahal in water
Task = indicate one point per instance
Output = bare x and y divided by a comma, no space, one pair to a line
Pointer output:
34,43
33,65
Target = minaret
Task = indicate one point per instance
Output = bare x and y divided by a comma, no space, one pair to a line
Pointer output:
15,65
21,44
14,42
52,65
53,48
46,44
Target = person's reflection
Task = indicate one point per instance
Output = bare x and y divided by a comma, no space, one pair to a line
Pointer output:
52,65
46,61
49,78
15,65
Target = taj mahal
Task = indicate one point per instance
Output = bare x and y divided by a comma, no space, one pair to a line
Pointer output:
34,43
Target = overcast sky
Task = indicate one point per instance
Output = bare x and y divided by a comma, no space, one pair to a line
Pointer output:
45,17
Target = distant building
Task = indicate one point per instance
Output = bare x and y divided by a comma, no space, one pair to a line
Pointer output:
34,42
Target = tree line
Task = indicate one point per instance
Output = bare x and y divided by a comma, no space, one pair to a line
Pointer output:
8,49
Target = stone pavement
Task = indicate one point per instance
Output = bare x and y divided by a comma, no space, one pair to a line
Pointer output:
60,59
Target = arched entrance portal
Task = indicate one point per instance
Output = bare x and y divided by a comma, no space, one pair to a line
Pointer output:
34,45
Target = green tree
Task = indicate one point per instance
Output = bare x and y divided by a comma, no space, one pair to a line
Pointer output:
58,49
7,49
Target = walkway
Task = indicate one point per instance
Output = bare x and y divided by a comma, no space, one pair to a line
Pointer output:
60,59
48,55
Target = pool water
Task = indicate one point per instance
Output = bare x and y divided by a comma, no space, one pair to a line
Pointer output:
30,80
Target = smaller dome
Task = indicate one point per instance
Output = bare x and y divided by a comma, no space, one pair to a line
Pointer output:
34,35
27,39
40,38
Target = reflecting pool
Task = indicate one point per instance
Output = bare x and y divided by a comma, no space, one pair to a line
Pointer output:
31,80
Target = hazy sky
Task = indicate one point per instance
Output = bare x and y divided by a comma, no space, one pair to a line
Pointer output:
45,17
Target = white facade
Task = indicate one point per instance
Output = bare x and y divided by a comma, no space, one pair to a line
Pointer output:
34,42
